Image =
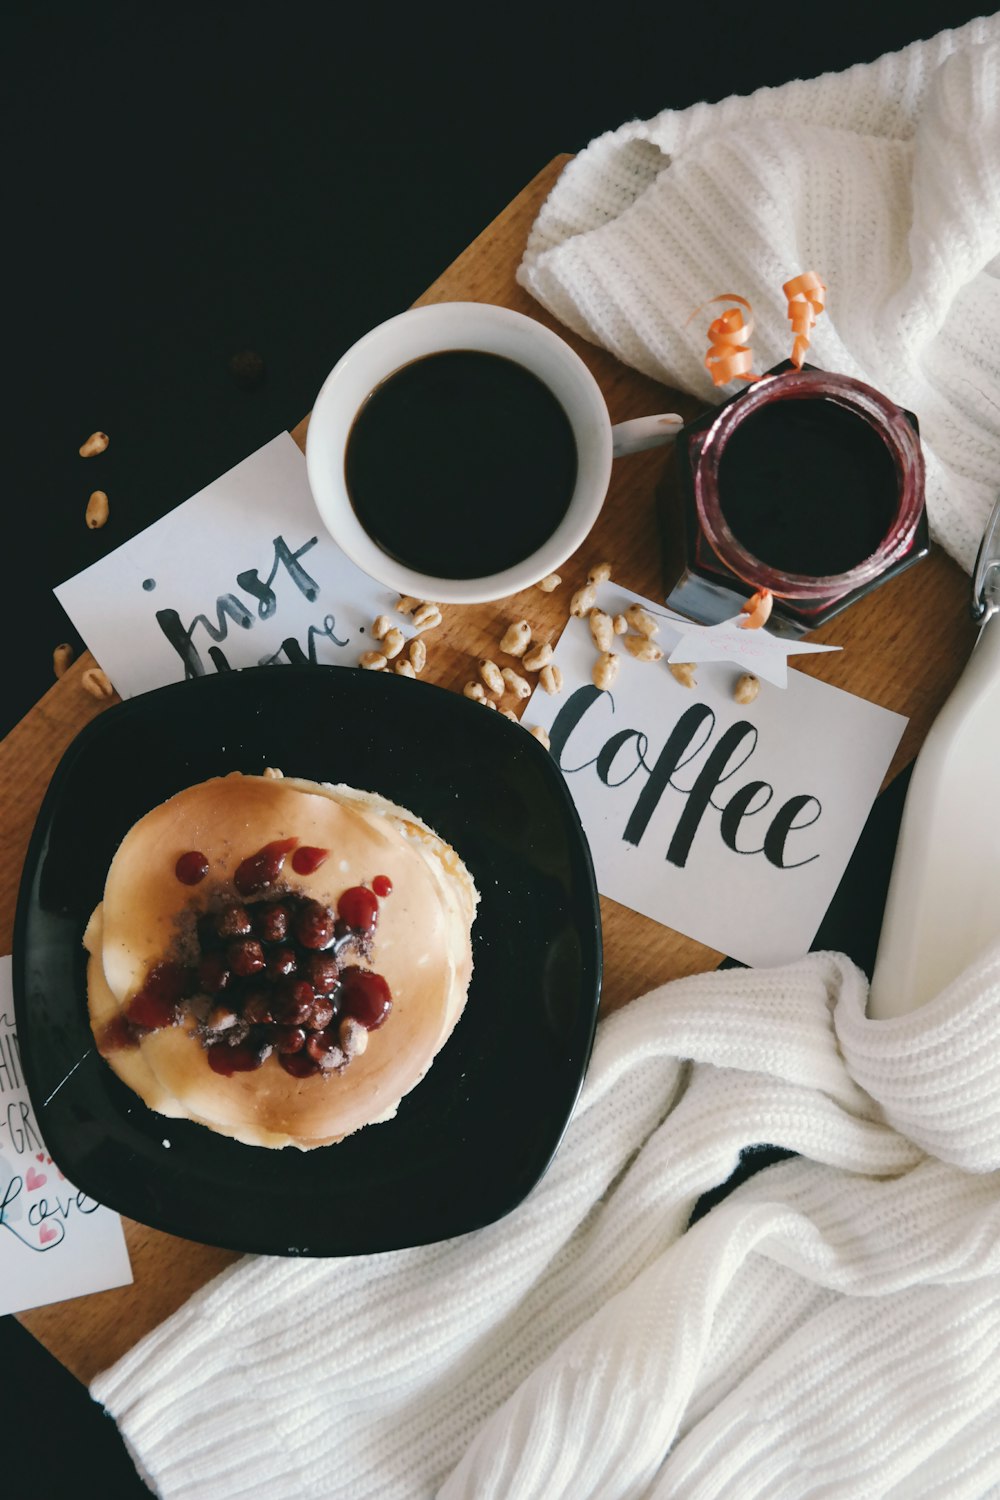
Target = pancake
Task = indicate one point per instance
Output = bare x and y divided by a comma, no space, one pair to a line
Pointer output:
211,1056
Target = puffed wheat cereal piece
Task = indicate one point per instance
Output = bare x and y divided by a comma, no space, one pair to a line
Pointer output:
405,605
539,657
551,679
353,1037
372,661
516,684
600,574
97,683
540,734
403,669
642,648
426,616
601,629
392,643
97,511
96,443
418,654
549,582
62,658
642,621
620,624
747,688
492,676
684,672
582,601
605,669
474,690
509,713
271,773
381,625
516,639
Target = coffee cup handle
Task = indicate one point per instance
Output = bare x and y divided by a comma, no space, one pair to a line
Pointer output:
644,432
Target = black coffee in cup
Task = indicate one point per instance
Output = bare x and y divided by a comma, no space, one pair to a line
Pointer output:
461,464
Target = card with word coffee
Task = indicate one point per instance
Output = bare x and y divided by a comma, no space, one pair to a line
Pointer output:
55,1242
242,574
730,822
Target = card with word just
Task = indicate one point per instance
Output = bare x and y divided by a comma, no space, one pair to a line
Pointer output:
242,574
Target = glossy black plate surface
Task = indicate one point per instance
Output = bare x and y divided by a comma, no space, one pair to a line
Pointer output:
475,1136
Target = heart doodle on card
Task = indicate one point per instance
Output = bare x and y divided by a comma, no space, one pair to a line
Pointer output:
39,1155
46,1234
35,1180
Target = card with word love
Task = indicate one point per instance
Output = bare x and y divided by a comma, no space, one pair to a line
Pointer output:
732,823
55,1242
242,574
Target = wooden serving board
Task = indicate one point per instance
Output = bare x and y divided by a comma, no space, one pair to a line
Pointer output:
890,656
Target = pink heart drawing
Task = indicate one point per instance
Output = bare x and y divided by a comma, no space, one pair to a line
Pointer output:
35,1179
45,1234
40,1156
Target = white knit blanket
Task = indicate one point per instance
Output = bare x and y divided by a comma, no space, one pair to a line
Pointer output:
884,179
831,1328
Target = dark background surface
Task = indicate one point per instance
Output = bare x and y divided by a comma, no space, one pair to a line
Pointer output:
183,183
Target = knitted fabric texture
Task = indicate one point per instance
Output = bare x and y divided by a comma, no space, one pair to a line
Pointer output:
884,179
831,1327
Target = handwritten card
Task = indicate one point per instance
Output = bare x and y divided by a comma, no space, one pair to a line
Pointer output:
242,574
730,823
55,1242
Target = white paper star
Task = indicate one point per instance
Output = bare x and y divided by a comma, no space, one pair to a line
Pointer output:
756,651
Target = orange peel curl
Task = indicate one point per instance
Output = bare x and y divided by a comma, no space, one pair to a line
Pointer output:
806,300
729,354
757,610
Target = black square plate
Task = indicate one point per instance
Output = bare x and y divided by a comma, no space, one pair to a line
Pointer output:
475,1136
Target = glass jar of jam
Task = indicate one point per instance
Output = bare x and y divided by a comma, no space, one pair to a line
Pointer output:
806,483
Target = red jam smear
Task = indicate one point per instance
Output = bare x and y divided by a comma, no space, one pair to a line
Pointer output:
365,996
358,907
151,1013
117,1035
259,871
192,867
307,860
240,1059
157,1004
272,970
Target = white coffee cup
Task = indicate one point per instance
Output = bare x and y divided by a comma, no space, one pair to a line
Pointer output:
481,326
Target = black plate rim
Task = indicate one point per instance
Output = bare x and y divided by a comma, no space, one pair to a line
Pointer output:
591,982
